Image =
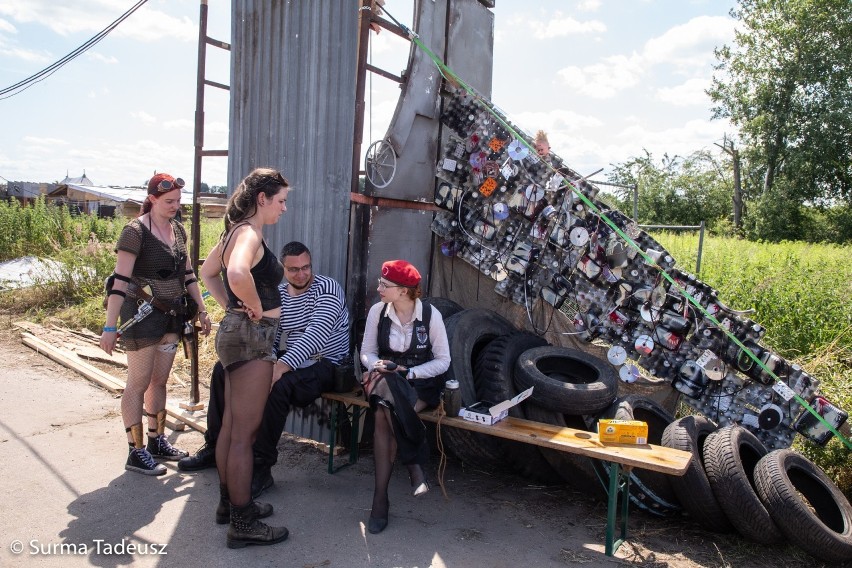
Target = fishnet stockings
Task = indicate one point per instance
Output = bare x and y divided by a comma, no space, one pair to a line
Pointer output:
147,373
246,390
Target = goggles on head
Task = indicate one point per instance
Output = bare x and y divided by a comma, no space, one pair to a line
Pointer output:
166,185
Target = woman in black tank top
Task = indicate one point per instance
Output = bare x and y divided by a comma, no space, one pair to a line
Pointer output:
242,274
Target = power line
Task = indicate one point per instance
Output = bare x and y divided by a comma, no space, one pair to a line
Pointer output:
22,86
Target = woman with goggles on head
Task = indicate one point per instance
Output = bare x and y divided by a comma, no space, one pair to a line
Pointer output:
152,264
406,350
243,274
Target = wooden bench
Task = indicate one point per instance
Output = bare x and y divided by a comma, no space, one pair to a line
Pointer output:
621,457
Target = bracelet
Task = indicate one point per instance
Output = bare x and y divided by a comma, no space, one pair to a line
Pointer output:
110,328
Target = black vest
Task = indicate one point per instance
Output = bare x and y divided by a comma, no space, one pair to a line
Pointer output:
420,349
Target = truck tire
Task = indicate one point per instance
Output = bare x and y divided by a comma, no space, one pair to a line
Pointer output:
493,377
566,380
469,332
730,457
805,504
693,488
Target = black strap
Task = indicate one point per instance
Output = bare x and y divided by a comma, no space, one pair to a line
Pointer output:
121,277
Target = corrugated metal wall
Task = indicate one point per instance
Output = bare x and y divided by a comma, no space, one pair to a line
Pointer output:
293,66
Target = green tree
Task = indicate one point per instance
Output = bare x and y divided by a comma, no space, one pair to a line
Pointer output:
785,84
676,191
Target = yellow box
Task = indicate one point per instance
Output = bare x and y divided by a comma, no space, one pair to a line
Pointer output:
623,431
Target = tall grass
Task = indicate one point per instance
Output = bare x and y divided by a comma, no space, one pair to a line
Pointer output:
801,293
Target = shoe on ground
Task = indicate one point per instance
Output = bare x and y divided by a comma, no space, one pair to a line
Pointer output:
245,529
161,448
141,461
375,525
223,511
261,480
204,458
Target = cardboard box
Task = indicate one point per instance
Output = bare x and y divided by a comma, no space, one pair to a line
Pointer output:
623,431
488,413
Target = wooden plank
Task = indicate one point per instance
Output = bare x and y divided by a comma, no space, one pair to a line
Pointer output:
645,456
70,360
195,420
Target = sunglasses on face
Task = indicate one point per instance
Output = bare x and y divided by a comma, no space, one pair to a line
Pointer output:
167,185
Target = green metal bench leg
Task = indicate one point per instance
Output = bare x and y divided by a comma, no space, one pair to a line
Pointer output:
619,482
332,436
355,412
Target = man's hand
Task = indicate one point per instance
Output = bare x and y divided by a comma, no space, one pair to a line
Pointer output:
279,369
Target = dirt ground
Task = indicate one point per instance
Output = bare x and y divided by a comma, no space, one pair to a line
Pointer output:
62,449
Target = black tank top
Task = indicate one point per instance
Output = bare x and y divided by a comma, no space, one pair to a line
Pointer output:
267,275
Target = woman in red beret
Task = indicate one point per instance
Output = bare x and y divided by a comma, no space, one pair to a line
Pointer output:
405,347
152,264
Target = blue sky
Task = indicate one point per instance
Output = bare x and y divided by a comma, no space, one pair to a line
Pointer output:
605,78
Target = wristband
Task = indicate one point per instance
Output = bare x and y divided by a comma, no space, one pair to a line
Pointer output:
110,328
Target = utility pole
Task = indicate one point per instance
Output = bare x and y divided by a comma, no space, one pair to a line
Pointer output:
727,146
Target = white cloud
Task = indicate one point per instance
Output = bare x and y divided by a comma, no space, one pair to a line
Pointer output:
690,92
81,16
26,54
180,124
588,5
143,116
44,142
6,26
100,57
689,45
603,80
563,26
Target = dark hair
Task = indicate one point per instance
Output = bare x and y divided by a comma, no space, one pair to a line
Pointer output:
243,202
294,248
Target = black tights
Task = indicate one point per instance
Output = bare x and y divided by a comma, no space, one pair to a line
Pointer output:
384,454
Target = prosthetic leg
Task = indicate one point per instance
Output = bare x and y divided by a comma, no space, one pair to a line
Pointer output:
158,445
139,459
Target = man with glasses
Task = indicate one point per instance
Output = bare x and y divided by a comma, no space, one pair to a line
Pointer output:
313,338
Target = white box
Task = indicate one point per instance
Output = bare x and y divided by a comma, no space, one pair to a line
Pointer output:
488,414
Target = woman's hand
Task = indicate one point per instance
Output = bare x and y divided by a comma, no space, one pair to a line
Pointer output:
204,321
385,366
108,339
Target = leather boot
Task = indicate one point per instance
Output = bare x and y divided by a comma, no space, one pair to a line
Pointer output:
223,510
245,529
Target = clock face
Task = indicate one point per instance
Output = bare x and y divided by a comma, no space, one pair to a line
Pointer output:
617,355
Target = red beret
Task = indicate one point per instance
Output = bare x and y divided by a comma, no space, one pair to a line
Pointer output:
155,181
401,272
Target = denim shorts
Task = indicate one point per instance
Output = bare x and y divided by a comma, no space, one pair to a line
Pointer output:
239,339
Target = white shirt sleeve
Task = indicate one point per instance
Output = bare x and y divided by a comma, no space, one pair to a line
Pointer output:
370,342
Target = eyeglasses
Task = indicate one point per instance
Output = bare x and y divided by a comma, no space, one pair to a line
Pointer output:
166,185
297,269
383,286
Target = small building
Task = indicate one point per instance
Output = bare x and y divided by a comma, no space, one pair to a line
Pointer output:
124,201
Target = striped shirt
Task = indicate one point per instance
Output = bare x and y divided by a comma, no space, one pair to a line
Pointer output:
315,324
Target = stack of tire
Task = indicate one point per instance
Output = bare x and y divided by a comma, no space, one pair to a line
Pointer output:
734,483
493,361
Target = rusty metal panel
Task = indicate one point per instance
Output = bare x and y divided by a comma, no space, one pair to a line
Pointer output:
293,108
